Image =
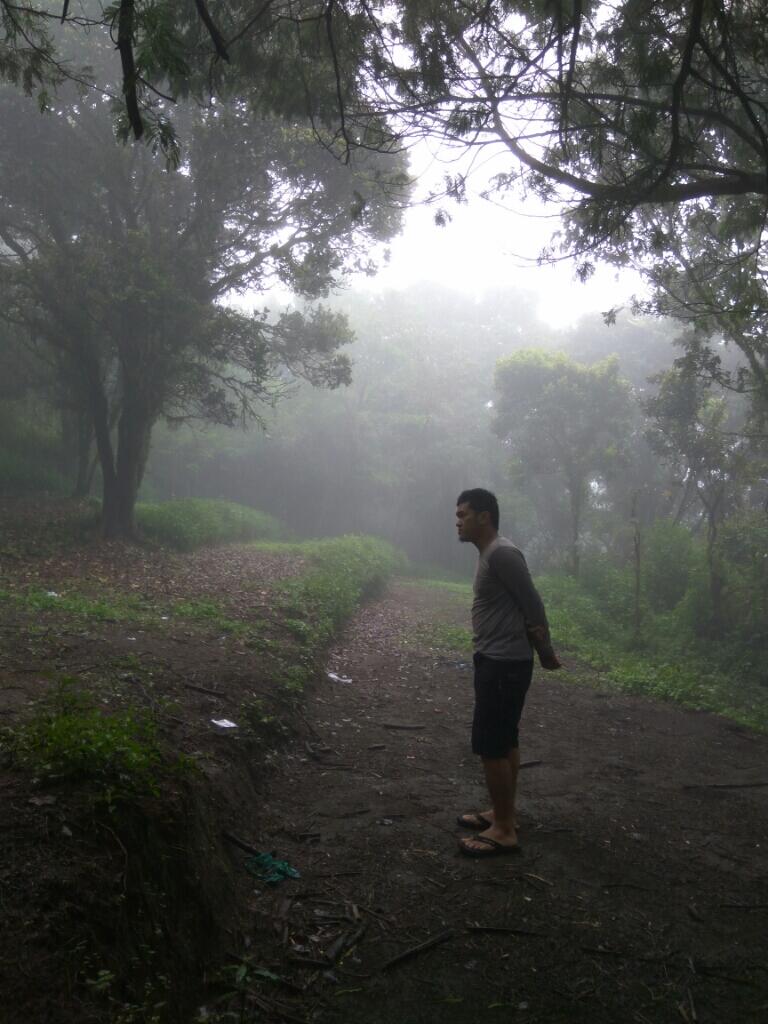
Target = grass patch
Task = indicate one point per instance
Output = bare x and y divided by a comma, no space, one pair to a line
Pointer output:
125,608
79,606
443,637
71,736
463,590
208,612
262,720
670,669
191,523
340,573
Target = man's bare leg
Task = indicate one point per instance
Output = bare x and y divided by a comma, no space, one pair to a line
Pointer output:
501,780
514,768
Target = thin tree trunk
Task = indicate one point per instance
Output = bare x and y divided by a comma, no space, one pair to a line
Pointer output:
637,550
716,580
576,495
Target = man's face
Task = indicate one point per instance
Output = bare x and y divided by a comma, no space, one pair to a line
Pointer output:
468,523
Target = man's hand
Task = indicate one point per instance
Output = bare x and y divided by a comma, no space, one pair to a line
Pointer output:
550,661
538,637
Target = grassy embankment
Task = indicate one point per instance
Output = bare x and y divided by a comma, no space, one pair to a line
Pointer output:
70,735
665,666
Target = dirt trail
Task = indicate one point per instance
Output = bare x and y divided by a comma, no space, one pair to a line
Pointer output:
641,893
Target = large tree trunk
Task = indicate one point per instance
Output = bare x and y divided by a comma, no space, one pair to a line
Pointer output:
101,429
123,463
134,432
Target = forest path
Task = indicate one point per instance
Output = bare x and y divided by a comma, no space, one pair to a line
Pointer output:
641,893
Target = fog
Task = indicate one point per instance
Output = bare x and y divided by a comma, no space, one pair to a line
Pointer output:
389,453
270,325
489,244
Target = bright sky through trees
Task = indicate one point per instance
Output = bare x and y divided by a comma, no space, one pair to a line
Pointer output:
490,243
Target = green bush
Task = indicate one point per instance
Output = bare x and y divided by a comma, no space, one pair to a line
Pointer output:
71,736
690,619
341,572
194,522
20,473
30,450
612,588
669,557
742,548
715,675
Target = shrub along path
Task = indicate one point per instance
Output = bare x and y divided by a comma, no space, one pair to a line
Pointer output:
640,894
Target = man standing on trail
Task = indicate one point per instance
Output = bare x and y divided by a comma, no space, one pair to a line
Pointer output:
508,622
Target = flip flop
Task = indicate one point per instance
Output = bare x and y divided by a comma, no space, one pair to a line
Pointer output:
495,849
472,820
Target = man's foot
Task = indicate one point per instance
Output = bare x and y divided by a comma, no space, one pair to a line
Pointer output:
477,820
482,845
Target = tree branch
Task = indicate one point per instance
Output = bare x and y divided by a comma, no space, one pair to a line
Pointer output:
216,37
125,47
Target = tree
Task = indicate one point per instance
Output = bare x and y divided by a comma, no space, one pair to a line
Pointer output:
689,430
564,420
122,266
627,113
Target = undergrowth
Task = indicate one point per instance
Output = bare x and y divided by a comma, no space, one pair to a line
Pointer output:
71,736
189,523
341,572
662,664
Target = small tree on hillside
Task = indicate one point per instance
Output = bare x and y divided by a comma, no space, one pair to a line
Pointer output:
564,420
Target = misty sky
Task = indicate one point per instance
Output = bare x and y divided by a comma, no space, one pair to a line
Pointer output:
489,244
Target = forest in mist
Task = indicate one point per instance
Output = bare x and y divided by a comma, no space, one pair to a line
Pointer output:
614,467
628,451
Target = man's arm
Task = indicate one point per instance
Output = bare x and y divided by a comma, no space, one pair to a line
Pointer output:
511,568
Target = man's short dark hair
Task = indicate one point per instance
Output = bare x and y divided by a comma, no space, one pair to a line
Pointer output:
480,500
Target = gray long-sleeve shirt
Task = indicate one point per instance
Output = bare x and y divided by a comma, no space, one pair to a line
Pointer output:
505,603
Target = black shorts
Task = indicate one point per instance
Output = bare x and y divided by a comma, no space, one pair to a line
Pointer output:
500,689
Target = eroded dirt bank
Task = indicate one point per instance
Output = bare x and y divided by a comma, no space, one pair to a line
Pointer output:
640,894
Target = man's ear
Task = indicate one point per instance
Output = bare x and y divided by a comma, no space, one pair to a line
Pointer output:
484,518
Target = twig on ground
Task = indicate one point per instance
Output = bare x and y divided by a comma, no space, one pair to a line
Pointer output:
536,878
240,844
436,940
345,814
397,725
204,689
692,1007
725,785
493,929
